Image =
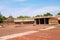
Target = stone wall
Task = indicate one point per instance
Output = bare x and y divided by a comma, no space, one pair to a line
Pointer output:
53,21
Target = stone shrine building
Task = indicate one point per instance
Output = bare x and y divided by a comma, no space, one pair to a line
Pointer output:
10,20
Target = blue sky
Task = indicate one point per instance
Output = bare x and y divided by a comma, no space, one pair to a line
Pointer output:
29,7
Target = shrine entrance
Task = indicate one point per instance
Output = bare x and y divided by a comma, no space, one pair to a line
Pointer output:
42,21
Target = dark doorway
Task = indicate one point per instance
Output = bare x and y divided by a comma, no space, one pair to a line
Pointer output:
41,20
17,22
37,21
59,21
46,20
29,22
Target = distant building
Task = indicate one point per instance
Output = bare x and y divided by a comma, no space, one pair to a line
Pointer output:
46,20
52,20
24,21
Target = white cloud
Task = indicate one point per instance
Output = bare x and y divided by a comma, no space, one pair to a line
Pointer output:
34,11
30,11
47,9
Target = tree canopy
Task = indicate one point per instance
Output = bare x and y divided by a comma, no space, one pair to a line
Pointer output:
58,13
48,14
23,17
2,18
38,15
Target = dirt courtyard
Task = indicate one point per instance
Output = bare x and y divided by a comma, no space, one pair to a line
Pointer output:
12,29
53,34
40,36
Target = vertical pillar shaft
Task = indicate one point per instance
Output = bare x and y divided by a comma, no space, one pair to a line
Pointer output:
44,21
34,22
39,21
21,22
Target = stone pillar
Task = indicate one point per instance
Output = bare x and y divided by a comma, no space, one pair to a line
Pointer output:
21,22
39,21
44,21
34,22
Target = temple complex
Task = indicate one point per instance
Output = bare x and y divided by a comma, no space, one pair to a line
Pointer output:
52,20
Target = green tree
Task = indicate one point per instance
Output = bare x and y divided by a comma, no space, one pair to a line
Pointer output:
38,15
58,13
20,17
4,18
48,14
23,17
1,18
26,16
